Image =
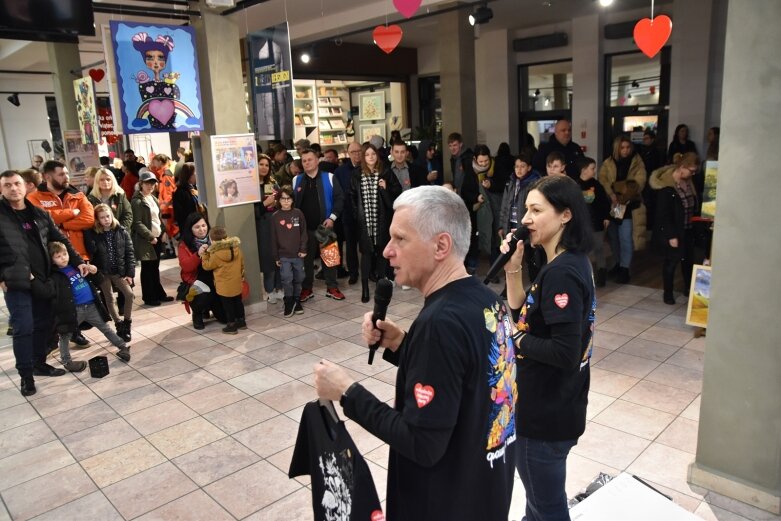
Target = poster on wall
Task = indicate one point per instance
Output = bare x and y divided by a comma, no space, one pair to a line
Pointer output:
84,89
79,156
157,75
111,78
272,82
371,106
235,163
699,296
106,121
709,192
367,131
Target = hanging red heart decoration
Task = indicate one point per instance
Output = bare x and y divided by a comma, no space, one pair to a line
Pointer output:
652,88
96,74
407,7
387,38
651,35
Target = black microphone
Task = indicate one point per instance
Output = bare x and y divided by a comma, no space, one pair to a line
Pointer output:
382,297
520,234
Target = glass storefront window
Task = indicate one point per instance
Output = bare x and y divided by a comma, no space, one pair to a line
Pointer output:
548,86
635,80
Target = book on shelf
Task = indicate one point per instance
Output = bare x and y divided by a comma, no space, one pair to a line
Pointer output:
307,120
323,111
337,123
324,125
335,101
336,111
322,101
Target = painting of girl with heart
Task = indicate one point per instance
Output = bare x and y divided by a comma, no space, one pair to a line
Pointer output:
157,75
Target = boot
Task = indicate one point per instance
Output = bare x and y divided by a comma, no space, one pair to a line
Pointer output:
290,303
123,330
601,278
623,276
669,298
241,323
298,309
364,291
198,320
124,353
230,329
28,386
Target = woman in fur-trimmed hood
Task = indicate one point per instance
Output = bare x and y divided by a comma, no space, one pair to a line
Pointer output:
225,259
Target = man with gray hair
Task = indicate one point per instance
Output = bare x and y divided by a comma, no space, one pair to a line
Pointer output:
452,429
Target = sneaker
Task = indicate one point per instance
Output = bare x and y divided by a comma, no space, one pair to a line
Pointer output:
47,370
231,329
271,298
124,354
75,367
298,309
306,294
333,293
78,339
280,294
289,306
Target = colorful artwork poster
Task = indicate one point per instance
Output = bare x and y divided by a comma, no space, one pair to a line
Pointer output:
272,82
106,120
79,156
699,296
86,111
709,192
235,163
157,76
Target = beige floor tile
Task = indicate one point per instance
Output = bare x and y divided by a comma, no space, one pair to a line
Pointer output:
184,346
598,353
210,355
608,340
681,434
609,446
327,305
282,459
597,403
677,320
342,329
160,416
610,383
379,456
248,342
185,437
233,367
648,349
148,490
105,436
298,366
94,505
622,326
167,369
47,492
297,505
658,396
352,312
689,358
664,335
122,462
627,364
240,415
642,315
363,439
33,463
378,388
25,437
619,298
269,437
580,473
211,398
287,331
389,375
252,489
655,303
265,322
288,396
605,310
676,376
120,384
360,364
259,381
80,418
311,341
714,513
64,401
138,399
692,412
274,353
697,344
195,506
11,397
187,383
666,466
47,387
215,461
340,351
147,357
380,478
634,419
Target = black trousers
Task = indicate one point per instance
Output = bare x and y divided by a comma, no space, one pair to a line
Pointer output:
234,309
684,255
151,288
372,262
312,253
348,245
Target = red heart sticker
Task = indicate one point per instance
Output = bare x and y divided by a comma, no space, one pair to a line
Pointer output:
651,35
561,300
289,226
407,7
423,394
377,515
387,38
282,222
96,74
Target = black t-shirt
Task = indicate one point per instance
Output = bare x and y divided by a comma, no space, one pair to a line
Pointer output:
38,259
553,375
342,485
452,430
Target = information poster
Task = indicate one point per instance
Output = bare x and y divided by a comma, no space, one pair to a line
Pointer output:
79,156
272,82
235,162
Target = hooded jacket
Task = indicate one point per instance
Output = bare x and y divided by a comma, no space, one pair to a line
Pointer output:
141,230
225,259
607,176
62,212
98,246
670,216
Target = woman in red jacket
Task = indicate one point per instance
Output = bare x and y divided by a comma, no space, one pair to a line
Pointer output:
194,238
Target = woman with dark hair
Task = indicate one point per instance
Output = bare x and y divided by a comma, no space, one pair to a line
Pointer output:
553,342
373,193
264,210
623,177
185,199
194,239
680,143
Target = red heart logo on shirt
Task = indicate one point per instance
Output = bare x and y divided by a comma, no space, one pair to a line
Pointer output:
282,222
561,300
289,226
423,394
377,515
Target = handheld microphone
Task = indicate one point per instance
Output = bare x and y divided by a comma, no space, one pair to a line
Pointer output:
382,297
520,234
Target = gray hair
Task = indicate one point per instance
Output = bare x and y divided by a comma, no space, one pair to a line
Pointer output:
438,210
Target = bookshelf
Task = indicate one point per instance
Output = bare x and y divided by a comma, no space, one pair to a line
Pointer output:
321,109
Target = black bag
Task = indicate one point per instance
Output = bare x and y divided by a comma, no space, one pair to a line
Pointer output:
181,291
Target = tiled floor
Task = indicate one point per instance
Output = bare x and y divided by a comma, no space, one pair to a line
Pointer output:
200,425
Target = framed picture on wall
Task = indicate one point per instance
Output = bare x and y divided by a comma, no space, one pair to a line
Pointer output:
699,296
369,130
371,106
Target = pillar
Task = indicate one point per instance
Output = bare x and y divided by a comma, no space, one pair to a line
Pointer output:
587,89
224,112
64,58
496,84
739,441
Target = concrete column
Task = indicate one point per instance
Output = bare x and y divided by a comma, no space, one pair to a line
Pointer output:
739,442
457,77
587,85
64,58
497,89
689,80
224,112
560,94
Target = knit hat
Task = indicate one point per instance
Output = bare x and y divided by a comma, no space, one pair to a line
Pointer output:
377,141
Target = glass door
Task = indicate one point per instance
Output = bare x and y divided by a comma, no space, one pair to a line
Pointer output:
546,96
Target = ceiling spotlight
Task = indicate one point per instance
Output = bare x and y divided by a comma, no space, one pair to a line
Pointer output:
305,57
13,99
481,15
605,3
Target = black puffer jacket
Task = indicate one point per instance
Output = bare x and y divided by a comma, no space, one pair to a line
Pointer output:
97,247
64,305
14,256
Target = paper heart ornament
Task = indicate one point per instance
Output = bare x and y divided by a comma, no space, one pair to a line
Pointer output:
96,74
387,38
423,394
651,35
407,7
162,110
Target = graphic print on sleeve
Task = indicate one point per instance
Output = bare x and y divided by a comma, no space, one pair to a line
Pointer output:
501,379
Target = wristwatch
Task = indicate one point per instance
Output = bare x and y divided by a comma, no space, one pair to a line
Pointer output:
347,393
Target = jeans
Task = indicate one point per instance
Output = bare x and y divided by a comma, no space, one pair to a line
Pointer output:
620,236
90,314
31,322
312,253
292,271
542,466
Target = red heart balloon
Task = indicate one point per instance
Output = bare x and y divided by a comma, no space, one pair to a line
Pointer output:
651,35
387,38
407,7
96,74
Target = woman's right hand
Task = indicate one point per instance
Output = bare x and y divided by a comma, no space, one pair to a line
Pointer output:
202,249
517,258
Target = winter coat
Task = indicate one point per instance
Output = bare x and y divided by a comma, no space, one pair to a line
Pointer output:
185,201
225,259
97,245
62,212
128,184
120,207
670,216
327,184
470,188
385,200
165,201
14,256
509,191
571,152
607,176
141,230
435,165
64,306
